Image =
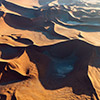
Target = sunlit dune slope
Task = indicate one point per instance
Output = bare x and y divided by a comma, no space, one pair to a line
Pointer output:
49,50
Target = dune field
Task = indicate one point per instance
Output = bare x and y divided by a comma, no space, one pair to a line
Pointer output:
49,50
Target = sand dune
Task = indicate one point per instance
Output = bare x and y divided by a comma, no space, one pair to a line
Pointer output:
26,3
49,50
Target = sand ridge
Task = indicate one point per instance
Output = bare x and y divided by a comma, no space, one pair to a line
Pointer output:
49,50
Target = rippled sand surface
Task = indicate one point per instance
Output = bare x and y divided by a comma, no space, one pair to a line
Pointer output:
49,50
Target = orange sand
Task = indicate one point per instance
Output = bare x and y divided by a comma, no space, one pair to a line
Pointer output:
49,52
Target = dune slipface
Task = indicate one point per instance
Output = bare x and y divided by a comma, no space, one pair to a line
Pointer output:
49,50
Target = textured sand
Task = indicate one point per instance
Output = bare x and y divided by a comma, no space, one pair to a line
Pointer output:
49,50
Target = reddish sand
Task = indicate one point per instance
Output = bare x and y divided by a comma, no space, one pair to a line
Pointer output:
50,51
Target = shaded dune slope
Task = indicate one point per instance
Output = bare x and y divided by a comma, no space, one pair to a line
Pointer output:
49,52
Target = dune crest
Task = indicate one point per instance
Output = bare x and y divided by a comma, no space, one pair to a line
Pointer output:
49,50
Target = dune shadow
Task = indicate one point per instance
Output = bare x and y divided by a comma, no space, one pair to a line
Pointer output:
48,14
27,12
1,13
68,66
84,27
10,76
64,64
23,23
60,65
27,24
96,58
7,55
20,22
9,52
